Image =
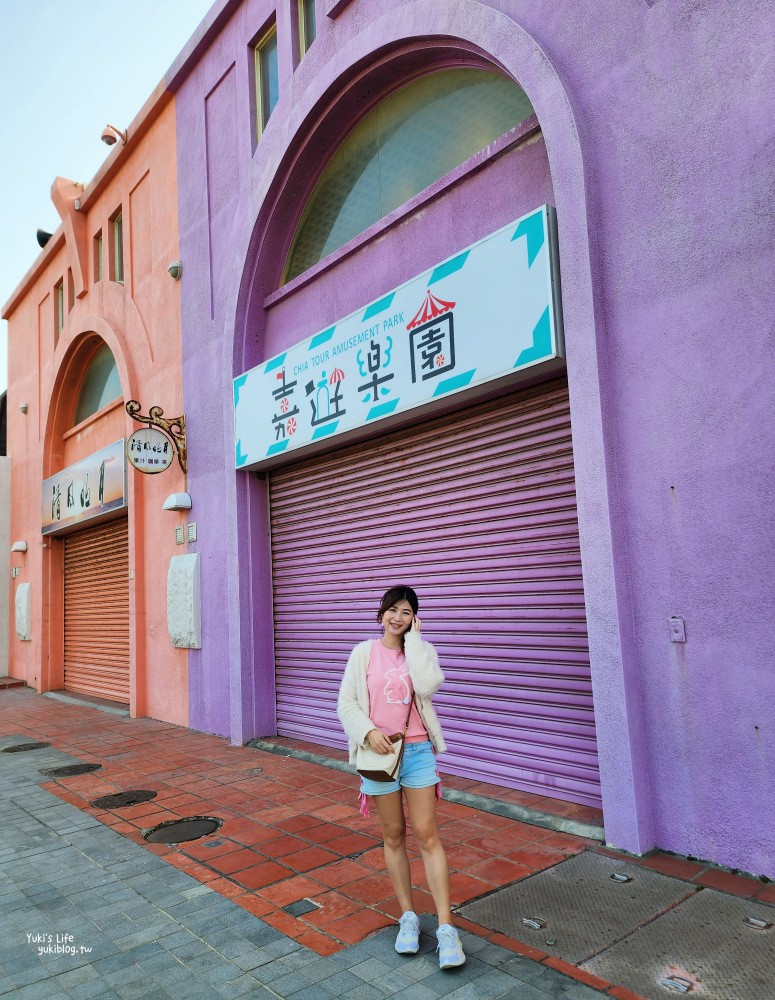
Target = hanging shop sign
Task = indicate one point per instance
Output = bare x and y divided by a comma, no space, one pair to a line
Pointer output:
85,491
150,450
153,448
487,315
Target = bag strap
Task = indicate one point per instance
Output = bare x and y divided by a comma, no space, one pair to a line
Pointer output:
408,716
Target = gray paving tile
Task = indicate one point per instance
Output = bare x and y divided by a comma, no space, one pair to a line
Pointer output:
244,986
371,969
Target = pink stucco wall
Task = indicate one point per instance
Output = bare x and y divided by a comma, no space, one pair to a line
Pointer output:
140,322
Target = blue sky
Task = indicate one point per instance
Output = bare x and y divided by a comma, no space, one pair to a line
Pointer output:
66,69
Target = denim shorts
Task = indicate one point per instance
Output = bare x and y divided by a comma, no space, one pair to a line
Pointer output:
418,770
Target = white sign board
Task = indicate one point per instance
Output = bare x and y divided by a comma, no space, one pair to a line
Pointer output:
485,314
87,490
150,450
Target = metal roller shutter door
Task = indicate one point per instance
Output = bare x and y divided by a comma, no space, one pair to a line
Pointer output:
477,511
97,611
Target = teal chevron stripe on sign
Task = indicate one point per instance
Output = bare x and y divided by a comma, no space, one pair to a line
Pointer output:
533,228
456,382
542,342
240,456
275,362
377,307
322,338
382,409
449,267
238,383
325,430
277,447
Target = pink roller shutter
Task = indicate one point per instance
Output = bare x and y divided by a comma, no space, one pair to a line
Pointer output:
477,511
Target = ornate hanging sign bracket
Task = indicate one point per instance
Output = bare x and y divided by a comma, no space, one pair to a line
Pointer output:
173,427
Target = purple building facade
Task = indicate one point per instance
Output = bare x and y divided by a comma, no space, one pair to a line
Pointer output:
651,145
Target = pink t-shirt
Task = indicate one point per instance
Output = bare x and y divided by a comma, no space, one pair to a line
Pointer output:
390,691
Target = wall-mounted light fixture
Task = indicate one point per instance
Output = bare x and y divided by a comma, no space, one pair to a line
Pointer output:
175,269
19,547
111,134
23,407
177,501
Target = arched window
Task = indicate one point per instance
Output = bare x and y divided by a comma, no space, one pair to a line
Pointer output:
411,139
100,386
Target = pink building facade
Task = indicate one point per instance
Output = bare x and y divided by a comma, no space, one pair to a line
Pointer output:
94,324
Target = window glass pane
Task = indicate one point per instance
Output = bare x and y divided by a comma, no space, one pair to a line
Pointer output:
414,137
118,248
100,387
307,23
60,292
269,77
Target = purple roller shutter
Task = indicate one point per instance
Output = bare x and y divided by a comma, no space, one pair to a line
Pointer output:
476,511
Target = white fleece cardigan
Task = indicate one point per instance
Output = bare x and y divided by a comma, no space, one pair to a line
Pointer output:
353,705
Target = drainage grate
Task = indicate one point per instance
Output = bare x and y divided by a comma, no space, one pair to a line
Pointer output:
706,947
71,769
24,747
120,800
576,909
175,831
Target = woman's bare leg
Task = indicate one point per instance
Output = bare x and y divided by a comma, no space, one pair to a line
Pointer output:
422,815
390,809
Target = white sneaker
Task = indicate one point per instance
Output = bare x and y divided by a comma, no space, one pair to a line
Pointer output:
450,949
408,940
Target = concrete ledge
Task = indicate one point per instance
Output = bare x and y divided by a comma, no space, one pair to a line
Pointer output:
535,817
88,702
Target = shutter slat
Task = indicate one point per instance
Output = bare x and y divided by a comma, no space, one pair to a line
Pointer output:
96,646
477,511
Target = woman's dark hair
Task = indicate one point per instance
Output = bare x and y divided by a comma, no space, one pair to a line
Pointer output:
398,593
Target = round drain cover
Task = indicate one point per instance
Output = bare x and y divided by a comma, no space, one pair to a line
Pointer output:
120,800
174,831
24,747
70,769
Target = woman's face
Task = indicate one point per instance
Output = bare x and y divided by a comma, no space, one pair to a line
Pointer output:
397,620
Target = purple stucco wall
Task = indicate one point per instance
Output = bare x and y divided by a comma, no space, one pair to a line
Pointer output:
654,129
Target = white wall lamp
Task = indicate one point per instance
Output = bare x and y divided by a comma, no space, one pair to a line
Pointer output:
23,407
177,501
19,547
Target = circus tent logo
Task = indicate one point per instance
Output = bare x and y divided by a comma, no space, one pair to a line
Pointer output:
432,338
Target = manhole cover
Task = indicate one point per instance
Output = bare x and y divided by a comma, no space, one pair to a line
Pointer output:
174,831
578,907
120,800
70,769
707,943
24,747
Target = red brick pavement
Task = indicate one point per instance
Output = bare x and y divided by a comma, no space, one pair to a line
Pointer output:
291,829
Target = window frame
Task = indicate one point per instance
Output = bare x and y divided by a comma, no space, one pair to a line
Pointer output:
59,308
260,74
302,8
98,249
116,247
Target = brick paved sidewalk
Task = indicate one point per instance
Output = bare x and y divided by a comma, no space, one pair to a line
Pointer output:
293,880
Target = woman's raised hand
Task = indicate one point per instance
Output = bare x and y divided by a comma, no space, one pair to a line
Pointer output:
416,624
379,742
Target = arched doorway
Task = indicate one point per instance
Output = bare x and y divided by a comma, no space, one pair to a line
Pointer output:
85,527
511,629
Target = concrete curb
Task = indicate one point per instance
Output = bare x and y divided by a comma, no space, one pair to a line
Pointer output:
535,817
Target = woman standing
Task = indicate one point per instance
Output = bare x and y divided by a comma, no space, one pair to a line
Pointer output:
382,679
